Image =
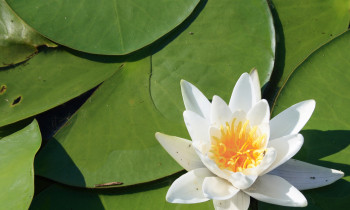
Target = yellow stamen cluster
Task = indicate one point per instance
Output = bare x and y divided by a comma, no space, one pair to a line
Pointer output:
239,147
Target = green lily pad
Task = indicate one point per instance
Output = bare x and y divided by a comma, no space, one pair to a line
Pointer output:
14,127
17,153
50,78
142,197
324,77
18,41
302,26
109,27
227,38
111,137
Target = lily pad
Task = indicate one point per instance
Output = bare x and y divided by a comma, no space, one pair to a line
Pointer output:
14,127
47,80
63,197
18,41
302,26
112,135
17,153
109,27
227,38
323,77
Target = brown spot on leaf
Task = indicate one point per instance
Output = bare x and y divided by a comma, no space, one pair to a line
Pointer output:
3,89
16,101
108,184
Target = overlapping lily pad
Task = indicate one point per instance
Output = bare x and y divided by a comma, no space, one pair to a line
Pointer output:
17,153
108,27
142,197
227,38
18,41
324,77
111,138
50,78
303,26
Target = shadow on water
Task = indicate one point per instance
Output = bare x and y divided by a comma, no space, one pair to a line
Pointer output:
270,91
52,120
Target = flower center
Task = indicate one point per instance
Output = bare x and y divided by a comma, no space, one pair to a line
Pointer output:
239,147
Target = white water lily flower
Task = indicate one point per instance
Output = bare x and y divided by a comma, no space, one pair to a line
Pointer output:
237,151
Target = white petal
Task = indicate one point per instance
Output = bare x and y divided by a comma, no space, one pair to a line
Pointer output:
240,201
243,95
195,100
286,147
188,187
275,190
306,176
181,150
214,132
256,83
218,188
197,127
268,160
211,165
241,181
265,130
292,120
237,179
259,114
220,112
240,116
